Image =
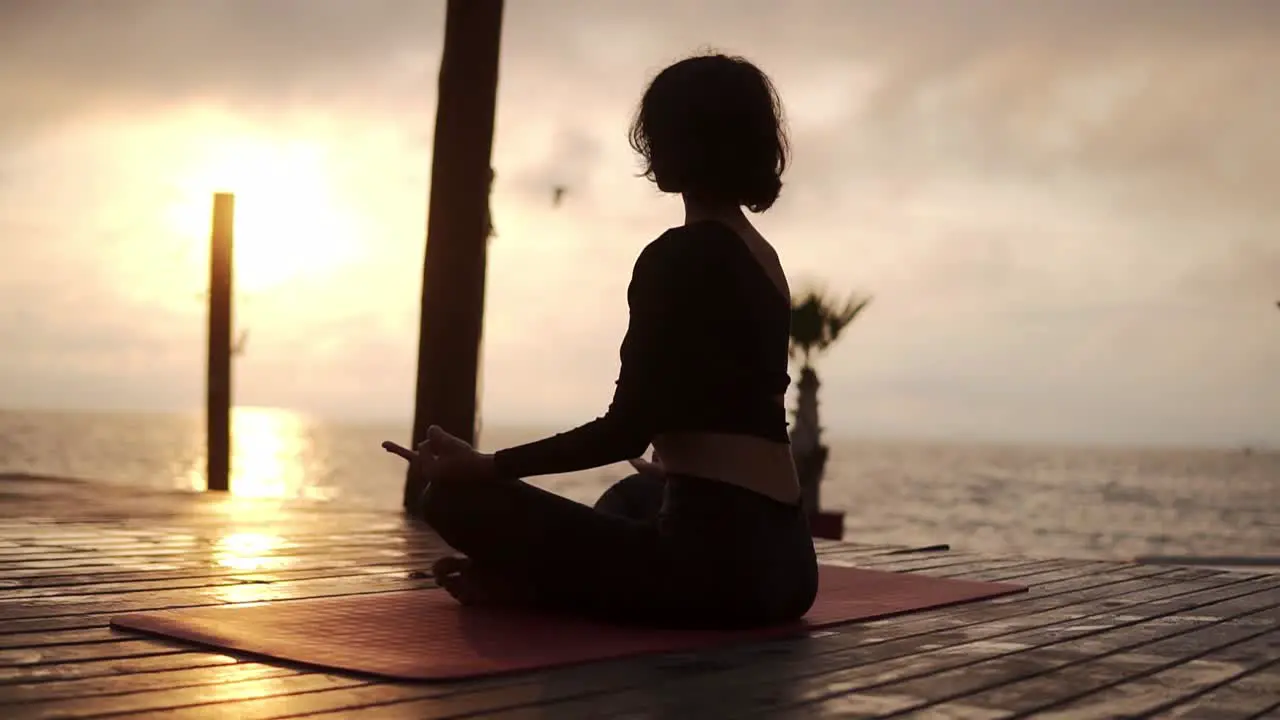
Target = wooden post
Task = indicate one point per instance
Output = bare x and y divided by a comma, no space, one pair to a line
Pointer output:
218,402
453,275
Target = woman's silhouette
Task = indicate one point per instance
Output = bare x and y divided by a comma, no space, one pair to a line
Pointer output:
714,536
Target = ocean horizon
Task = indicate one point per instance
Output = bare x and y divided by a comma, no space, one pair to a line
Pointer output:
1111,502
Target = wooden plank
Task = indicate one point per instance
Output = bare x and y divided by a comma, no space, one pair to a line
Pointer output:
188,515
254,592
15,550
1032,575
978,667
210,556
82,688
56,624
1145,682
57,571
173,702
78,637
523,700
205,555
153,582
249,544
90,620
924,564
58,637
798,681
1072,686
1089,635
335,526
822,547
20,576
208,567
279,543
191,701
1252,695
278,698
592,681
159,579
1061,579
42,630
57,654
75,606
101,616
21,674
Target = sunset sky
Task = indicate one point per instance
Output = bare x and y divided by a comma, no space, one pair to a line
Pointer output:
1068,212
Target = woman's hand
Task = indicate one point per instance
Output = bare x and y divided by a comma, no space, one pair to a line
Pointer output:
648,467
443,456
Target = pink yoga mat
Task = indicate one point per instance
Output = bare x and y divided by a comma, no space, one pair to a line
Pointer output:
426,635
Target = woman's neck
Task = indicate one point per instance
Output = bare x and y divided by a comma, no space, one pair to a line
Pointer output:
698,211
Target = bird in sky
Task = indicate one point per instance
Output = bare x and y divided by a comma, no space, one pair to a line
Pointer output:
238,347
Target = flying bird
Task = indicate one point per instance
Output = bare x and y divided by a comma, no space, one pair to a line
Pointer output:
557,195
237,348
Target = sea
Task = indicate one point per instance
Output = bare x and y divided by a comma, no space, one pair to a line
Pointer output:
1059,501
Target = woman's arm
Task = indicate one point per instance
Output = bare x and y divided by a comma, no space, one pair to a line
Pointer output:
603,441
641,397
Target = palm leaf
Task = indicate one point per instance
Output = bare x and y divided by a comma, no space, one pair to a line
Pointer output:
817,320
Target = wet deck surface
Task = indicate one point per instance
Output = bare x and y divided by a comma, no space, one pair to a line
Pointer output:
1091,639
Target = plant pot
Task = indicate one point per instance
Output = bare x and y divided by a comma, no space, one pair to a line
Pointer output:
827,524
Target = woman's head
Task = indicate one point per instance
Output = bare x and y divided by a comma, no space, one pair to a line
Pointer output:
711,127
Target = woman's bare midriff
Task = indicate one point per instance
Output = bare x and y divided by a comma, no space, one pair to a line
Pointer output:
752,463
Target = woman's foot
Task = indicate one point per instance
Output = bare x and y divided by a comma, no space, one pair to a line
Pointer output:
473,585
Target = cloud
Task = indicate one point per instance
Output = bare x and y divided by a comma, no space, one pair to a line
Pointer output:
60,58
1174,97
1064,209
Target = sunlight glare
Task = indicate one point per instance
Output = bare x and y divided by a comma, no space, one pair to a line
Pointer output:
265,449
247,551
289,222
272,457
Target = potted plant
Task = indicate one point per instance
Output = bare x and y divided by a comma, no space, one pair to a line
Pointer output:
817,321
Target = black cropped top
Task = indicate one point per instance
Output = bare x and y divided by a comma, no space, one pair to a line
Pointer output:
705,350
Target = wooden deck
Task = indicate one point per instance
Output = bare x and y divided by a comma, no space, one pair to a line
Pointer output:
1091,639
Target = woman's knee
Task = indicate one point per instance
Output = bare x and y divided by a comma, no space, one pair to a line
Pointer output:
637,496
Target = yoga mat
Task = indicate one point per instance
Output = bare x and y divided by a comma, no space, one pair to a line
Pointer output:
426,635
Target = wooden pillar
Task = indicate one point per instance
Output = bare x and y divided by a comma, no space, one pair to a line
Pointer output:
453,274
218,384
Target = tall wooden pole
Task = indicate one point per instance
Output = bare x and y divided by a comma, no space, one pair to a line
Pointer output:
453,275
218,402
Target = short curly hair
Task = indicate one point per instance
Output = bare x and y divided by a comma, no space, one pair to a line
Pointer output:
711,127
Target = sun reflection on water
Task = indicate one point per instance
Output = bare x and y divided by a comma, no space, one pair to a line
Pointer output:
266,449
272,456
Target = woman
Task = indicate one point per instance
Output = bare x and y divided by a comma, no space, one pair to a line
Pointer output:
703,379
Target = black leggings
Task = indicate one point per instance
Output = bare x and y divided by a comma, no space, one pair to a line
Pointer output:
677,551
